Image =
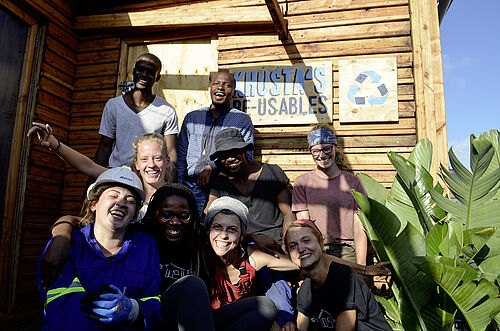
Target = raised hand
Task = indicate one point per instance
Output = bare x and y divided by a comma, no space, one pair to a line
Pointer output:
44,134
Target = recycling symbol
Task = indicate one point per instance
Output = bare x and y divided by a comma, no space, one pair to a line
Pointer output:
380,96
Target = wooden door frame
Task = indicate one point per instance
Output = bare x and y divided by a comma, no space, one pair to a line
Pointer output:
181,34
19,154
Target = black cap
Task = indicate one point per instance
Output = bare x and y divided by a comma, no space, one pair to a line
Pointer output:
229,139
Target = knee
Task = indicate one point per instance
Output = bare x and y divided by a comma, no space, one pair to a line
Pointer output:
188,287
192,284
266,308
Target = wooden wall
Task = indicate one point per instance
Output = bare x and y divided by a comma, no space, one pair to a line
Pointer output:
331,31
45,176
79,74
95,83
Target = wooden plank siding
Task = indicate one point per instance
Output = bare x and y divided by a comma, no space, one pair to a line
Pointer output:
333,31
44,182
95,83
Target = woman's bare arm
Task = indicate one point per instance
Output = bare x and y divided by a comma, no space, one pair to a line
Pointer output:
76,159
258,259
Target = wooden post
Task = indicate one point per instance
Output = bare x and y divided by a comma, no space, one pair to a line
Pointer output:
428,73
280,23
18,167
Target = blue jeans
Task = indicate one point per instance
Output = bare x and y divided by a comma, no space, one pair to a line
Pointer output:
275,287
200,193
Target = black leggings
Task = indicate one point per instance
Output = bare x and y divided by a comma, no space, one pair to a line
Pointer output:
254,313
185,305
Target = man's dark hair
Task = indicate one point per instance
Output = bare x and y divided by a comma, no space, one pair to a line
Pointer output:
151,57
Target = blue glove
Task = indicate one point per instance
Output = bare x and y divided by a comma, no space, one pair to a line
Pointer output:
114,307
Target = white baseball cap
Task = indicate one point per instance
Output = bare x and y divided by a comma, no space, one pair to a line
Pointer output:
123,175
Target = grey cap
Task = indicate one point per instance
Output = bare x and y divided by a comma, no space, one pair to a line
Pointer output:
229,139
231,204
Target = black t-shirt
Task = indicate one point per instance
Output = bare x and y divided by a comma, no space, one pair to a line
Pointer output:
175,263
264,214
342,290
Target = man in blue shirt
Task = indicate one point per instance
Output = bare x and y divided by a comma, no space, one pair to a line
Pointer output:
199,128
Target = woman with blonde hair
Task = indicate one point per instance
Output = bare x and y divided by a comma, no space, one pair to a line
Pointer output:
332,296
151,161
324,195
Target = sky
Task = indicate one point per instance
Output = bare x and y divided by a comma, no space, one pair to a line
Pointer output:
470,46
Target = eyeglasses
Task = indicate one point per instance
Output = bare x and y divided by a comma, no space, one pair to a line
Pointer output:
168,215
326,150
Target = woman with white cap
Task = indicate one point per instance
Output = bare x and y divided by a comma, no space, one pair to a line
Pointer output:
112,270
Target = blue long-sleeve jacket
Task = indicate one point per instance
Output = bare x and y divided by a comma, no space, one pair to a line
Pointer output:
134,270
197,136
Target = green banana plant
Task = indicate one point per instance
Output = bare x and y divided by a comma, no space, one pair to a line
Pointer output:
445,254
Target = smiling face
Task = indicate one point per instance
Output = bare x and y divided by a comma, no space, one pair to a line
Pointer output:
225,233
115,209
174,218
146,72
222,89
233,160
152,163
323,155
303,247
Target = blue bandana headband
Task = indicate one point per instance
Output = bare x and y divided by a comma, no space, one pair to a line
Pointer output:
321,136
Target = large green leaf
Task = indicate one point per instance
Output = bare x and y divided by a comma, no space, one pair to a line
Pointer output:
422,154
374,189
382,227
451,245
435,237
413,182
405,213
475,190
494,138
474,240
391,312
491,268
477,300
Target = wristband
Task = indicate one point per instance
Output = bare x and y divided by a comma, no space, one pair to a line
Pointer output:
57,148
364,270
61,222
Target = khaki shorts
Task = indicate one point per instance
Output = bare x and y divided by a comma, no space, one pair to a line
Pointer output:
343,251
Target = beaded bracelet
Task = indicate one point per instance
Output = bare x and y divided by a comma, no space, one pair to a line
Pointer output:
61,222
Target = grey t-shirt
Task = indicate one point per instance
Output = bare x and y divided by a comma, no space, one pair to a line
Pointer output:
265,217
121,123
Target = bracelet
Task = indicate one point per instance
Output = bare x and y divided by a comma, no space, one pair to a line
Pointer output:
57,148
364,270
61,222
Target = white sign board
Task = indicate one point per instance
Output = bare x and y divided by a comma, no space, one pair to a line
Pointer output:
297,94
368,90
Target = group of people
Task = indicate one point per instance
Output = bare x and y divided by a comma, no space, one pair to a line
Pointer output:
187,233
